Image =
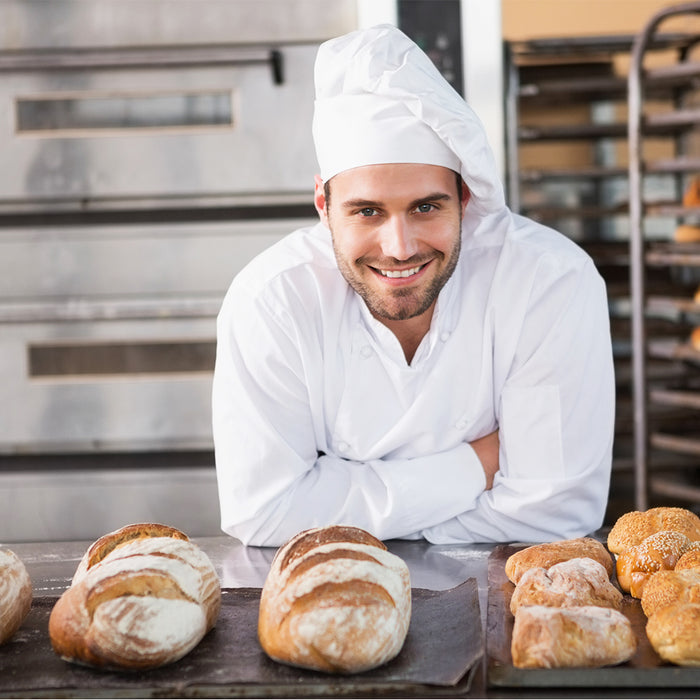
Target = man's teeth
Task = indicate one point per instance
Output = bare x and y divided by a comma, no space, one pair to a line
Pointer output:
401,273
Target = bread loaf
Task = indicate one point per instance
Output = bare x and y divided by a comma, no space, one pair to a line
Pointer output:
686,233
690,559
141,597
335,600
15,594
550,553
674,632
666,588
691,196
586,636
658,552
571,583
632,528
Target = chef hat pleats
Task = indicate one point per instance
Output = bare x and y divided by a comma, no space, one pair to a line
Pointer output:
380,99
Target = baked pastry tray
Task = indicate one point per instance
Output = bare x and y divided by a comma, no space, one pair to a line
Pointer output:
442,651
644,670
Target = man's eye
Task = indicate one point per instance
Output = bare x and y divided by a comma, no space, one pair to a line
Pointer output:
368,211
424,208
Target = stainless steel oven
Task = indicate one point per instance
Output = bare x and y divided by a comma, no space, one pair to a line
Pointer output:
149,149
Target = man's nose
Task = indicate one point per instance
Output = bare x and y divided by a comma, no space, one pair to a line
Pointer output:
398,241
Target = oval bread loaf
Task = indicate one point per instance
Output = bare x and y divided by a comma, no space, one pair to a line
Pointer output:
586,636
572,583
15,594
549,553
335,600
674,632
141,597
634,527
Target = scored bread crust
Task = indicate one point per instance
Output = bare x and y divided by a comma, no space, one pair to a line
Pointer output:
634,527
666,588
15,594
335,600
549,553
674,631
658,552
571,583
585,636
139,599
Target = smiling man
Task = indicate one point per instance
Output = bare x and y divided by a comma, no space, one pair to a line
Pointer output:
422,363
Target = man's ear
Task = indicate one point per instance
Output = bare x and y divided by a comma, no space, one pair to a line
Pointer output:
465,196
320,200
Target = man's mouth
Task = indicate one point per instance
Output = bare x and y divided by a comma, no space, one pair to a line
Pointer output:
401,273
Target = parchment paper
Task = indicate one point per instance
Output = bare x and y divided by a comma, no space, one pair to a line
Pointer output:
443,645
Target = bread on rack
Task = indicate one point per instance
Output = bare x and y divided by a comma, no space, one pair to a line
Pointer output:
695,338
691,196
674,633
572,583
686,233
632,528
335,600
668,587
549,553
658,552
15,594
141,597
696,296
585,636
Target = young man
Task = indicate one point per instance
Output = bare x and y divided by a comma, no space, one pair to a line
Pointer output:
422,362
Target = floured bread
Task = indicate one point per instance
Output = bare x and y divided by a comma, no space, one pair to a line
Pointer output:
549,553
576,582
15,594
142,597
586,636
335,600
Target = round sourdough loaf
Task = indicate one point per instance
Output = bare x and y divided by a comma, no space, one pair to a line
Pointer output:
141,597
335,600
15,594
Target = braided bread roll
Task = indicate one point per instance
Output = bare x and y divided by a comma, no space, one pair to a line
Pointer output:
658,552
141,597
666,588
674,632
632,528
335,600
15,594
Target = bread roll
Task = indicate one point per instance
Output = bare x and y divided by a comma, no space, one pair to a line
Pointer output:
658,552
632,528
568,584
335,600
674,632
142,597
666,588
586,636
15,594
550,553
691,196
690,559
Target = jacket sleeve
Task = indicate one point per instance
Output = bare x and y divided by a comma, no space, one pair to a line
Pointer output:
556,416
273,480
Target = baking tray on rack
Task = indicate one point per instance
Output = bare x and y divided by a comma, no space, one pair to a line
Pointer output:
644,670
441,655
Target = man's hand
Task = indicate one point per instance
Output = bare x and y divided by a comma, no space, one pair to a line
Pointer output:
486,449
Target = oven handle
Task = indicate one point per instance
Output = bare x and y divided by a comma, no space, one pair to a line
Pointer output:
186,56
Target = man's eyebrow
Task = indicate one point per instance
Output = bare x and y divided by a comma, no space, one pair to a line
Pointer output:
362,203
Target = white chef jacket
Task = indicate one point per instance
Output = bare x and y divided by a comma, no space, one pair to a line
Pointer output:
318,419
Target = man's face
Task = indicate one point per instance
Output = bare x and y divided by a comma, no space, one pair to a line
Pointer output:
396,234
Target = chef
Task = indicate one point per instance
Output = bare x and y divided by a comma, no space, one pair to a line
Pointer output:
421,363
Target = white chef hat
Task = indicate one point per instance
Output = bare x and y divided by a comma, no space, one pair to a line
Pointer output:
380,99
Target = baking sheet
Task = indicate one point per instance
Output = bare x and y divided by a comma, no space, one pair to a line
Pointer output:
440,655
644,670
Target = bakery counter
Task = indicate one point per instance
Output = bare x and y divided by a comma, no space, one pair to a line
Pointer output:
444,578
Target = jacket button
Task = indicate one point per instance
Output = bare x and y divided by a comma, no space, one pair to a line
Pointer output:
343,447
366,351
